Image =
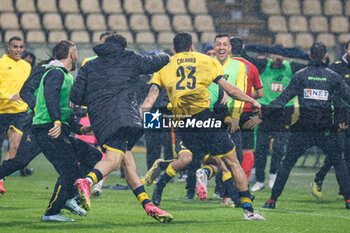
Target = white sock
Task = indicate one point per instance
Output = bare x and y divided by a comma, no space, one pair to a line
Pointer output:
91,182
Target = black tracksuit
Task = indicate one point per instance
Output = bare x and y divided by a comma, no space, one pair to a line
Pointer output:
316,87
342,67
63,152
28,148
277,125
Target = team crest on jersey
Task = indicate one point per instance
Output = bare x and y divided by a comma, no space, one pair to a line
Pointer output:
316,94
276,87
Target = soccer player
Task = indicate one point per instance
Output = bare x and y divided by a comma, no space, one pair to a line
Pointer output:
105,86
13,73
342,120
186,79
254,90
275,73
316,87
236,74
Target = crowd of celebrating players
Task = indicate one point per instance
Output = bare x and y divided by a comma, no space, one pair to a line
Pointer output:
297,104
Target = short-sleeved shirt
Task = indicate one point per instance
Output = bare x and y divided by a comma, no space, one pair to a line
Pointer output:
186,79
13,74
253,81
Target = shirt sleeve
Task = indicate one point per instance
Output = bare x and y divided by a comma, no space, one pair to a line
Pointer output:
30,86
241,83
52,86
77,93
157,80
217,72
257,83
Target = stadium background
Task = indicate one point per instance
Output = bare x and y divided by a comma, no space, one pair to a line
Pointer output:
150,24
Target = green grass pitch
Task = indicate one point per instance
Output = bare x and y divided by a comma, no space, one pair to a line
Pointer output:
297,210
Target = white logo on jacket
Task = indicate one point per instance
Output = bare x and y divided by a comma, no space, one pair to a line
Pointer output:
316,94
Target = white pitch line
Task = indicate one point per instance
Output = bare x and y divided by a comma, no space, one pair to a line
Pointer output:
314,214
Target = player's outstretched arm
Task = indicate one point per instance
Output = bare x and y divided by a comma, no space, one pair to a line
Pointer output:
77,93
150,99
237,94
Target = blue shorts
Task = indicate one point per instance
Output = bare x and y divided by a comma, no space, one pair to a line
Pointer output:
12,121
124,139
215,141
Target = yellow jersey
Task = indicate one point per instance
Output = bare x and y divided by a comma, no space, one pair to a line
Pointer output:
12,77
186,79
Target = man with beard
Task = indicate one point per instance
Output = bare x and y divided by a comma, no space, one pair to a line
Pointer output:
51,128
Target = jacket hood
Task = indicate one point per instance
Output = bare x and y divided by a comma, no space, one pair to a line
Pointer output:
55,63
108,49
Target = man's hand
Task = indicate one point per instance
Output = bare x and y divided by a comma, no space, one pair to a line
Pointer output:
228,121
55,131
16,98
256,107
342,126
252,122
224,98
234,125
87,130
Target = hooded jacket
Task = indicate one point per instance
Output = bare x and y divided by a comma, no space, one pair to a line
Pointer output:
106,85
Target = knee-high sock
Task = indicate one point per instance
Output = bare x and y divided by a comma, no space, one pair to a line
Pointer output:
248,163
246,202
209,170
94,176
167,176
141,195
230,190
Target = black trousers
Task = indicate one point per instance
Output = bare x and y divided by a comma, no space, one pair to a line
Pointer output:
262,150
191,174
344,138
298,143
28,149
64,154
155,141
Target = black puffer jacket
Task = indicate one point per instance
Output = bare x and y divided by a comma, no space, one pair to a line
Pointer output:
31,84
106,86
